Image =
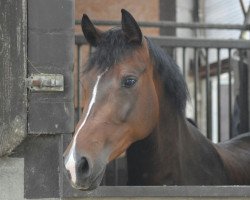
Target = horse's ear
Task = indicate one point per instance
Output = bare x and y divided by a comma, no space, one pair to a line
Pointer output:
92,34
131,28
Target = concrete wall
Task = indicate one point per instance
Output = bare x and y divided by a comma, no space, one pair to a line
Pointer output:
11,178
33,170
13,98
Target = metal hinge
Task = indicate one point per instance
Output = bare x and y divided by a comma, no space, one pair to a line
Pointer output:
45,82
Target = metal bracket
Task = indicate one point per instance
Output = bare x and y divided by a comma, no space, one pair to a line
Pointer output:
45,82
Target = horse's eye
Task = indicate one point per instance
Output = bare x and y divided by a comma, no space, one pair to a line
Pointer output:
129,82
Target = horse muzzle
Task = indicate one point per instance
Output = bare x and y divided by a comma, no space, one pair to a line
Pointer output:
83,173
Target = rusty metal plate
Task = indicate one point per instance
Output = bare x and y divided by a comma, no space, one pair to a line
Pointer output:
45,82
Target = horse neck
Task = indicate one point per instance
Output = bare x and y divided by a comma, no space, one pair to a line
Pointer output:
173,154
160,150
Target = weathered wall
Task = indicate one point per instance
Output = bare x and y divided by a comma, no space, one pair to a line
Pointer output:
11,178
12,74
50,114
50,50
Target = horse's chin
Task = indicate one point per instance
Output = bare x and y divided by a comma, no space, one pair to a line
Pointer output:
92,184
90,188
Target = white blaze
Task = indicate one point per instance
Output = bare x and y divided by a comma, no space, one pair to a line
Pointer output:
71,162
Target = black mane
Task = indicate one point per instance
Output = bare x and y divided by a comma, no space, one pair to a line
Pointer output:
169,71
114,46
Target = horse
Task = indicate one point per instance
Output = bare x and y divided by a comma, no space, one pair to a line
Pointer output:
134,102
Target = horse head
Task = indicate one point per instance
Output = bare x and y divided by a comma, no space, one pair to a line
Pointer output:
120,100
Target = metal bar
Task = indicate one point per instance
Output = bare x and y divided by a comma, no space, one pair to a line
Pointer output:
162,191
103,180
195,84
116,171
243,94
218,95
184,62
230,94
79,85
171,24
243,8
244,33
90,50
208,96
200,43
188,42
174,53
248,90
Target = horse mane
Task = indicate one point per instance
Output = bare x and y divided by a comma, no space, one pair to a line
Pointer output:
174,83
114,46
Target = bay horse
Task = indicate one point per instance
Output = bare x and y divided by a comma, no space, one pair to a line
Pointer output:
134,101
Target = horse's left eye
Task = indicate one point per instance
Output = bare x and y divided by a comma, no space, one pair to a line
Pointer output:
129,82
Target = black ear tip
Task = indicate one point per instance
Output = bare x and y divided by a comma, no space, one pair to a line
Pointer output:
126,15
124,12
85,17
130,27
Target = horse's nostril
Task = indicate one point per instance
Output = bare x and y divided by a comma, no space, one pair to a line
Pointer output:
83,166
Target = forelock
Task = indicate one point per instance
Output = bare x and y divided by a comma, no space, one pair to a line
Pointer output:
111,49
